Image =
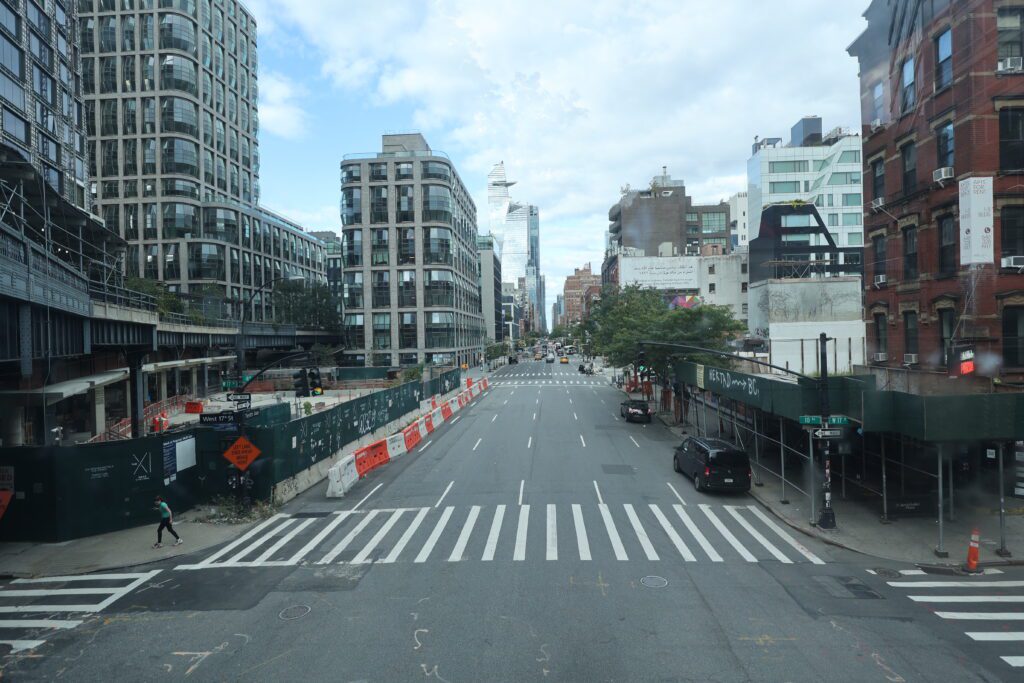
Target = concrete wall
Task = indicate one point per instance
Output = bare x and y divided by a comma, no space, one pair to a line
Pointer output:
795,346
816,300
729,277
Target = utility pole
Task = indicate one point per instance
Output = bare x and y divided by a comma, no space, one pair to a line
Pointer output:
827,520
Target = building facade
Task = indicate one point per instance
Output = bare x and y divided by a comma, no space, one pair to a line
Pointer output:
739,222
489,275
172,119
942,101
573,290
410,258
824,170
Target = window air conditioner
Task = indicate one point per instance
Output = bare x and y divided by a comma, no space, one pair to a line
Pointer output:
880,280
944,173
877,202
910,359
1012,262
875,124
879,357
1014,63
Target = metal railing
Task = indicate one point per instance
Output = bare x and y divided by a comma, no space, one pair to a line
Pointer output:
120,296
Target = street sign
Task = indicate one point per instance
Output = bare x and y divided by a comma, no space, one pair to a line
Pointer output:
240,397
810,419
241,453
243,405
827,433
838,420
227,417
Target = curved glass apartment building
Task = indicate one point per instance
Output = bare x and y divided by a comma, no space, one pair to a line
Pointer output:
171,114
409,258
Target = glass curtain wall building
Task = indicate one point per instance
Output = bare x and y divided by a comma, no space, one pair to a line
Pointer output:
409,255
171,114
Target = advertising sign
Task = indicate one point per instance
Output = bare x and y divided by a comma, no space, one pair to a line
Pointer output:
659,272
976,242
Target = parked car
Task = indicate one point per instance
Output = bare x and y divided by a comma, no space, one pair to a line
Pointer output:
513,360
712,464
636,409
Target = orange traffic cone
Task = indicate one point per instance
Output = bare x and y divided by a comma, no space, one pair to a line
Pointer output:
972,552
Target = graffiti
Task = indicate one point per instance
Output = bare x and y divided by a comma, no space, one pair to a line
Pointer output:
731,382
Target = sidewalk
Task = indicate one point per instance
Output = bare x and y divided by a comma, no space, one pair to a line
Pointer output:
908,539
114,550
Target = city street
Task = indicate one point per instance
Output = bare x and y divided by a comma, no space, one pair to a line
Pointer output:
537,536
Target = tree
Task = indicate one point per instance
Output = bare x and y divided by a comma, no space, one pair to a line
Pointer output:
495,351
166,302
324,355
559,331
307,305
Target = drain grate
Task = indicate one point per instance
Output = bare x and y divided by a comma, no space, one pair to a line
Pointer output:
293,612
654,582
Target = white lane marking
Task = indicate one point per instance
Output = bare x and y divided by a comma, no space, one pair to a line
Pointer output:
995,636
959,598
39,592
425,445
39,623
911,572
641,533
1017,661
779,555
494,418
529,442
581,533
982,616
84,577
695,532
361,557
615,417
434,535
339,517
956,584
329,557
438,503
268,553
234,544
574,416
582,441
520,550
722,529
505,403
613,533
261,540
457,418
19,645
535,416
570,400
492,536
552,548
799,547
511,392
670,531
676,493
460,545
406,537
522,482
356,506
600,500
634,442
602,400
477,443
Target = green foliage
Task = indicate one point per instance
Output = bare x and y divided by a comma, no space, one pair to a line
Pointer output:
559,331
623,318
324,355
306,304
495,351
166,302
307,408
412,374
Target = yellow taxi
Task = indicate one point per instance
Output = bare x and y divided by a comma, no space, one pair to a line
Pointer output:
564,360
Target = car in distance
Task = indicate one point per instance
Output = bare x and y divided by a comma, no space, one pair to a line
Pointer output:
564,360
550,358
537,356
712,464
636,409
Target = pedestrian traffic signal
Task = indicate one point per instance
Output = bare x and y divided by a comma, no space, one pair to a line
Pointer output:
641,362
316,387
300,382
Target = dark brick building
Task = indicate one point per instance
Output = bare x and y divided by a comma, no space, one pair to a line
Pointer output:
942,100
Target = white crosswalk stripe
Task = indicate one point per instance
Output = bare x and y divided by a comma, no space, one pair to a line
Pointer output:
32,614
649,532
982,603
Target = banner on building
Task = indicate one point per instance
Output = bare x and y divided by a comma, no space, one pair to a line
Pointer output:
660,272
976,236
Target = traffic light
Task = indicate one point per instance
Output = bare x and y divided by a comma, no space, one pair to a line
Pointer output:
641,363
316,387
300,382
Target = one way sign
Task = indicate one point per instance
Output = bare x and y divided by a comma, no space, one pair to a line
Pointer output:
827,433
239,397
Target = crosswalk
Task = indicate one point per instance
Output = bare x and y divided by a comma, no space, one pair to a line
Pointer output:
516,533
31,610
989,607
540,380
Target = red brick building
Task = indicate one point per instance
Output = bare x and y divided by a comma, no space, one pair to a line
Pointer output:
573,290
942,100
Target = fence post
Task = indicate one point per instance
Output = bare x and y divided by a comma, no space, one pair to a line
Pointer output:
885,488
782,457
810,489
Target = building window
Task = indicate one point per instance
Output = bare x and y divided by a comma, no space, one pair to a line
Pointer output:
908,92
382,330
407,332
910,253
405,208
711,288
743,286
435,170
908,155
711,269
789,166
403,170
1011,228
406,246
1013,336
878,249
407,288
351,206
944,59
437,203
947,324
354,330
438,247
351,174
881,333
944,146
379,247
712,221
381,289
784,187
947,246
910,332
379,204
1011,139
878,179
378,172
851,219
352,247
1008,25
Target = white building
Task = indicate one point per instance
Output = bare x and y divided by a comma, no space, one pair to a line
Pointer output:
740,221
692,280
821,169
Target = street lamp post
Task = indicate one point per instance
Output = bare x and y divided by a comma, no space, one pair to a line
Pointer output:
240,341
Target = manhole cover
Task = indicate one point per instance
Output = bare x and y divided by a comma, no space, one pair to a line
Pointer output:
293,612
654,582
886,573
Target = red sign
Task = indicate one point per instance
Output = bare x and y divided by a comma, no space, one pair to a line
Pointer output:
241,453
966,362
5,500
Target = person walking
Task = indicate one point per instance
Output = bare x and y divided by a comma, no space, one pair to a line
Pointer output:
166,522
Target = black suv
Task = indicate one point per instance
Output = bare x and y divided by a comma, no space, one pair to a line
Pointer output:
712,464
636,409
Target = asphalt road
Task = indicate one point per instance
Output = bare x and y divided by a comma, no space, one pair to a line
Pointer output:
536,537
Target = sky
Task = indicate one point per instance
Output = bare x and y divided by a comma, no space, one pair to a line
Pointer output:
577,98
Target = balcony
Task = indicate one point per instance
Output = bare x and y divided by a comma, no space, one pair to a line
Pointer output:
438,297
381,296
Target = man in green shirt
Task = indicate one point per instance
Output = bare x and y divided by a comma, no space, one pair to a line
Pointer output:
166,520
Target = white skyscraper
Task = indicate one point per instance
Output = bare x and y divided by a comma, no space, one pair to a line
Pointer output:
515,227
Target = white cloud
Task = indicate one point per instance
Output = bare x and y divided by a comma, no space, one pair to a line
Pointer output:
580,97
280,112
